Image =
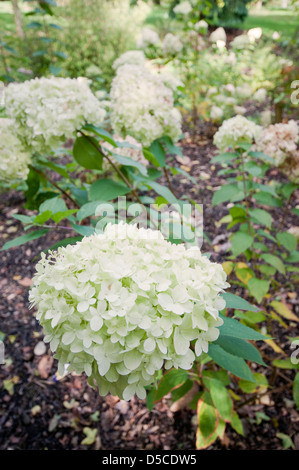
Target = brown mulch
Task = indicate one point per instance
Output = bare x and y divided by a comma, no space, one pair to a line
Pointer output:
40,410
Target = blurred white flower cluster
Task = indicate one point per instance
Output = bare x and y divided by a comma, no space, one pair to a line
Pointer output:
14,158
47,111
130,57
122,304
148,37
280,141
143,106
183,8
236,131
171,45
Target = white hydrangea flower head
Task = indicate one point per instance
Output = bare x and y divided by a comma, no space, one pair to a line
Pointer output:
243,91
143,106
216,113
239,110
171,45
170,80
254,34
260,95
128,147
14,158
47,111
240,42
201,25
183,8
148,37
122,304
236,131
218,35
266,117
130,57
279,141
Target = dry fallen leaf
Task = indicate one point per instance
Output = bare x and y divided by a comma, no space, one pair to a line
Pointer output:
44,366
25,282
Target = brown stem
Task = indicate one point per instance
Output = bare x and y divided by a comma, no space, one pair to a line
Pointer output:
166,174
44,175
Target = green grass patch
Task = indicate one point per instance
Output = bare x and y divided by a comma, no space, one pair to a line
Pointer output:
282,21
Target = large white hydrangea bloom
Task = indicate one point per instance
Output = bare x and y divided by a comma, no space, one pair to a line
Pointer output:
122,304
47,111
279,141
130,57
171,45
14,158
183,8
148,37
236,131
143,106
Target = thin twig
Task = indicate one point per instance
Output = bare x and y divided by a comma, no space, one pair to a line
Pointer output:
44,175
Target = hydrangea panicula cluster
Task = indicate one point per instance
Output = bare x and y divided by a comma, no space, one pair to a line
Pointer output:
279,141
183,8
148,37
171,45
122,304
47,111
130,57
14,159
143,106
236,131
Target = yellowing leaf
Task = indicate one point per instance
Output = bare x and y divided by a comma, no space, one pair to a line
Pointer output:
274,346
228,267
90,436
277,317
284,310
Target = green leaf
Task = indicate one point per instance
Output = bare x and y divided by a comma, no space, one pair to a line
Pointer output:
236,424
285,364
129,162
159,153
240,242
249,387
43,217
170,380
294,257
225,157
86,153
162,191
84,230
179,392
235,365
88,209
107,189
267,199
221,399
58,216
286,441
287,240
105,135
24,239
258,288
234,328
229,192
274,261
235,301
207,419
240,348
54,204
261,217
